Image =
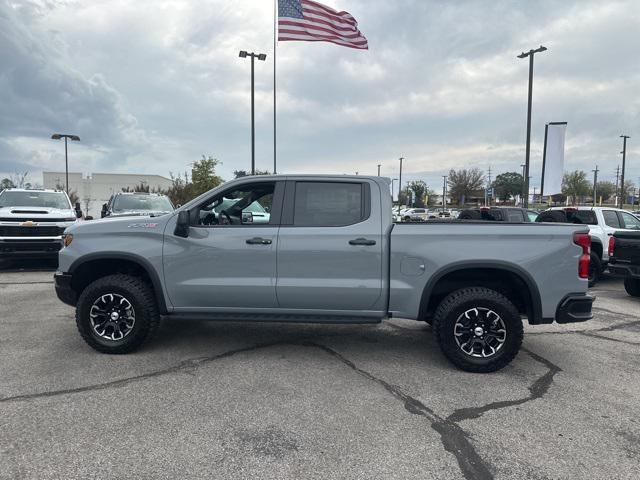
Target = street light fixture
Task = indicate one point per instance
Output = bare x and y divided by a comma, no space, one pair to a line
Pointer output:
73,138
263,57
530,54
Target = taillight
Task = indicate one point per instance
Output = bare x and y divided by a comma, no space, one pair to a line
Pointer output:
612,246
583,240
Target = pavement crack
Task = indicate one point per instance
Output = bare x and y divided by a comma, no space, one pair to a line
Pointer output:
186,366
536,390
602,337
454,439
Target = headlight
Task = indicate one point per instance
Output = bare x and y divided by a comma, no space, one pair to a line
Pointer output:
67,239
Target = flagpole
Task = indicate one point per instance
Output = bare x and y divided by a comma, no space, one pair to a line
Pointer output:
275,31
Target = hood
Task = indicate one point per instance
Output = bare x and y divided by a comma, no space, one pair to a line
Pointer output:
147,213
122,224
36,213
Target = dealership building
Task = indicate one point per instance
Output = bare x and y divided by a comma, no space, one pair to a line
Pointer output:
95,189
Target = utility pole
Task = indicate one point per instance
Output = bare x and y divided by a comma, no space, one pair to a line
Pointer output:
617,180
624,156
529,54
379,169
486,190
523,184
400,183
595,181
444,191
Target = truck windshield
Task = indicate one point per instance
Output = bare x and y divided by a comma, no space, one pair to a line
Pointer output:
35,199
141,203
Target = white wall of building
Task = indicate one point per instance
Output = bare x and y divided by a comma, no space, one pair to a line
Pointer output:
95,189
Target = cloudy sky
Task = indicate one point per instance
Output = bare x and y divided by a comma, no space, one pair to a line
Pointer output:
151,85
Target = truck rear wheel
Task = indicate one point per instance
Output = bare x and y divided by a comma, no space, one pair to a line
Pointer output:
478,329
117,314
632,286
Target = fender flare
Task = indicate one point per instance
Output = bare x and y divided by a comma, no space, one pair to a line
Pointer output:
534,293
142,262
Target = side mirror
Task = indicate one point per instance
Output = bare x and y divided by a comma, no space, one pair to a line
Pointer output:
103,212
78,213
247,218
182,224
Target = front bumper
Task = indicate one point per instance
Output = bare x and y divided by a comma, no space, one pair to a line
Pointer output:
64,291
575,308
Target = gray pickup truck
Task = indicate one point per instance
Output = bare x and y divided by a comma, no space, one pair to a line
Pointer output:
329,252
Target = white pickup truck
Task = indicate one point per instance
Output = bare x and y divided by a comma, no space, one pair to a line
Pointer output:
32,222
602,223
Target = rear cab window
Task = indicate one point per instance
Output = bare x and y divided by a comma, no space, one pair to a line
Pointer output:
583,217
330,204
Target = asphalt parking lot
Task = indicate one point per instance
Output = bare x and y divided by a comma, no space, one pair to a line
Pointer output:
234,400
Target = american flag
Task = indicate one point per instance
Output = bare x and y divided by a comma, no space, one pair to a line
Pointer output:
308,21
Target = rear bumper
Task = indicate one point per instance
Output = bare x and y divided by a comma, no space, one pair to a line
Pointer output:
65,293
575,308
623,270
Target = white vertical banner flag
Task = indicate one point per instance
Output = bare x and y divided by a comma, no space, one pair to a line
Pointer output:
553,158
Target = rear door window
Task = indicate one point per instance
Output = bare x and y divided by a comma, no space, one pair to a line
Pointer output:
611,218
328,204
515,216
629,221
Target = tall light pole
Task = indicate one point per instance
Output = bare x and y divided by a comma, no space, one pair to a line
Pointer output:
74,138
595,181
624,156
400,182
530,54
444,191
379,169
263,57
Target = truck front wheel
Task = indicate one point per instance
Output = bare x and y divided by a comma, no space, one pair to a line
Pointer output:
117,313
478,329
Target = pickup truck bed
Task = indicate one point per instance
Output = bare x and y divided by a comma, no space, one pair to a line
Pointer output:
329,252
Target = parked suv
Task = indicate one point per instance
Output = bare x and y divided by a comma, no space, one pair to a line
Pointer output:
127,204
499,214
32,222
602,223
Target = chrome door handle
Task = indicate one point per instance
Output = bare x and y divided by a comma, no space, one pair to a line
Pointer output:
258,241
362,241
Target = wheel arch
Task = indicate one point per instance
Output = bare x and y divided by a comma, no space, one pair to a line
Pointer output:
507,278
94,266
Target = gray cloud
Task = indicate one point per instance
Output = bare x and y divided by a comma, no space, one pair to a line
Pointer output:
151,86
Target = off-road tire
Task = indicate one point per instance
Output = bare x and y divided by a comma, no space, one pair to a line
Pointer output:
595,269
632,286
141,297
454,305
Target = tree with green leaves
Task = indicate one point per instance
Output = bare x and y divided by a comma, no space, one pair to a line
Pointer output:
6,183
605,190
507,185
420,192
73,195
576,186
465,183
203,178
244,173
